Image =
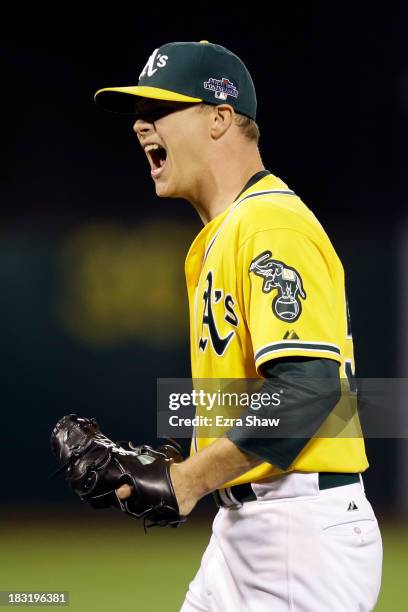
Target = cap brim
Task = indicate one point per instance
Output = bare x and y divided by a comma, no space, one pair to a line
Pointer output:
122,99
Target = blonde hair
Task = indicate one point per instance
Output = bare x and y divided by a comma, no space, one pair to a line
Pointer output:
247,125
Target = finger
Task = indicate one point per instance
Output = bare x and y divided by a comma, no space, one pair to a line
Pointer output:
124,491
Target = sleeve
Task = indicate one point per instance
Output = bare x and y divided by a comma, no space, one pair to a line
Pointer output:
287,296
311,388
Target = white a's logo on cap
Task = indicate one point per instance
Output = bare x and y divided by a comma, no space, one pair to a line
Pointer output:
155,61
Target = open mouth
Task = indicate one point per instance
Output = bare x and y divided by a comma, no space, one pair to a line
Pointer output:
157,156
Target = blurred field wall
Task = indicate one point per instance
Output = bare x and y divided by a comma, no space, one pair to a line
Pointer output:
92,316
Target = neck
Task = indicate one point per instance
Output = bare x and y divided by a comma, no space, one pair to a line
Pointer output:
222,181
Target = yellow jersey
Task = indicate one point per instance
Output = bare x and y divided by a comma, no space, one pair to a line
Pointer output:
264,282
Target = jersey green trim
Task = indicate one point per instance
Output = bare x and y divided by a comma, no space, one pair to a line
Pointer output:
278,347
254,179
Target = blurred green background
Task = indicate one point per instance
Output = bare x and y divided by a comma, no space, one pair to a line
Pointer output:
108,564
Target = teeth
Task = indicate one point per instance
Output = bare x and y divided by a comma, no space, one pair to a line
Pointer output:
151,147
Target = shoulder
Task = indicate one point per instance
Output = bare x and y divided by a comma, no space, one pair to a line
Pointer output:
281,211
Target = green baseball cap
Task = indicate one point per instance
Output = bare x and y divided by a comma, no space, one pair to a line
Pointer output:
187,72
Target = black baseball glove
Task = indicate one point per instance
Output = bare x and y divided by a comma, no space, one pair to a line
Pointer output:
94,467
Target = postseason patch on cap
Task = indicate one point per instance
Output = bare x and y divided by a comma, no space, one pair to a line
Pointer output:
222,88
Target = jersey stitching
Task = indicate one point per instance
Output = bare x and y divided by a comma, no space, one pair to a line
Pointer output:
276,228
251,195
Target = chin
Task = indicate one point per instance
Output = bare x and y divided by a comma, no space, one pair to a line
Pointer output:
164,190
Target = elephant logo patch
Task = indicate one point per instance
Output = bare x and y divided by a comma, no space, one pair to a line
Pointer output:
277,275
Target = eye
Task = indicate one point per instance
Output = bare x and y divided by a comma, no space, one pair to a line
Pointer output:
151,111
154,114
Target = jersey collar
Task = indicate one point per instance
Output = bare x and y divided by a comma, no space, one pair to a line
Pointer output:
254,179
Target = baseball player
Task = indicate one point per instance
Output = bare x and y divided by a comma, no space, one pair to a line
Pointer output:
266,291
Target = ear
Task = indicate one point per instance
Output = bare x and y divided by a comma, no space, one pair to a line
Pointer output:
221,120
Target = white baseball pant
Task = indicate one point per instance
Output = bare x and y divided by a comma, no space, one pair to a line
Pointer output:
296,548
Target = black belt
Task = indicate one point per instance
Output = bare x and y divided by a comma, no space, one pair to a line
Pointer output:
239,494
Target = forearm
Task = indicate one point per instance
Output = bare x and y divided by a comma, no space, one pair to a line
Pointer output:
211,468
227,458
204,472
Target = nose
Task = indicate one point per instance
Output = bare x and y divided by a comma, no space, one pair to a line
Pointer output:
142,127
